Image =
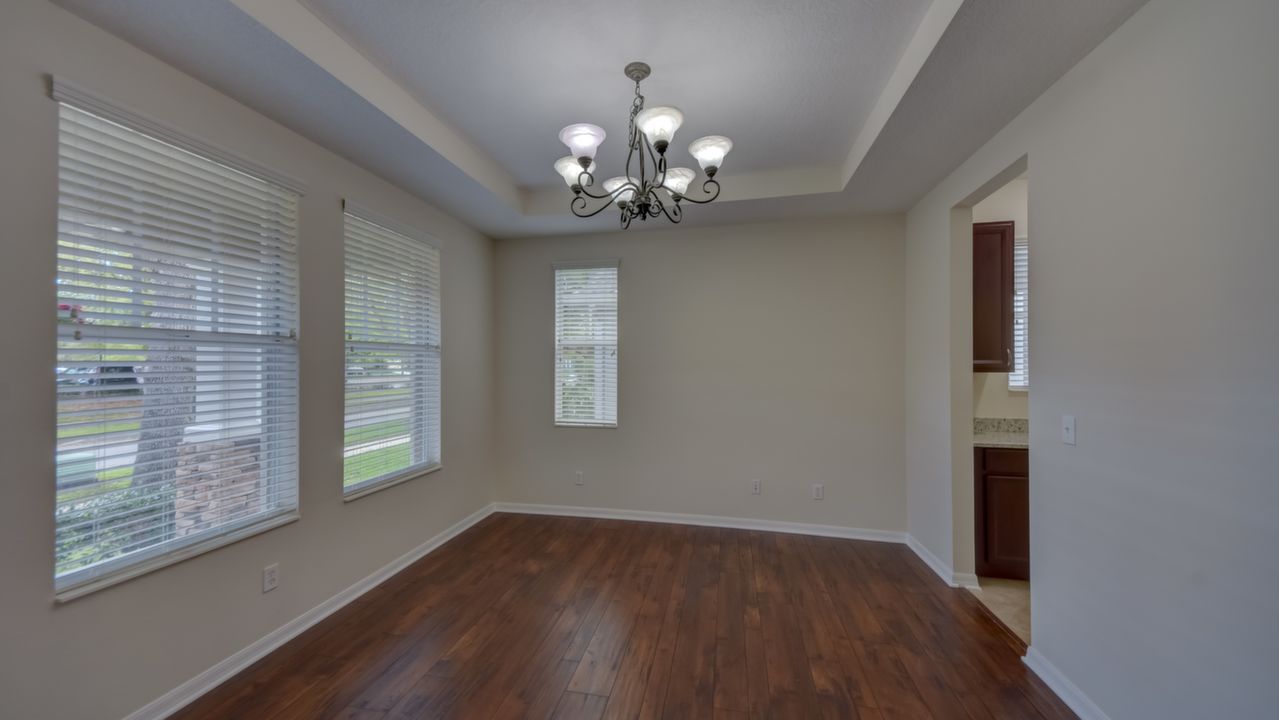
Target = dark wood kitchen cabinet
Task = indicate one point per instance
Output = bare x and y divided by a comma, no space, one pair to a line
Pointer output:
1001,478
993,297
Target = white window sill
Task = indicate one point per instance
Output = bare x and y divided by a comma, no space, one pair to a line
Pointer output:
604,426
70,588
371,486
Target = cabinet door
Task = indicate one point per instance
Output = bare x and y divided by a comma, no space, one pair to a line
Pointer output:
1003,514
993,297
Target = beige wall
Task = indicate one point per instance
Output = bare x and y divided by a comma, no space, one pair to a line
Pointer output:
1010,202
993,399
991,396
1155,171
106,654
768,351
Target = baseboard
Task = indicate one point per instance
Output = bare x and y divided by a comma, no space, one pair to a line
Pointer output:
966,580
942,569
1069,693
794,528
187,692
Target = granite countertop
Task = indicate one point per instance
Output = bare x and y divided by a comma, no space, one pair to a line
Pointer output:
1001,433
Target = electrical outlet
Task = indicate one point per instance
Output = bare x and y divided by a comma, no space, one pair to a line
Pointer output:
270,577
578,479
819,491
755,489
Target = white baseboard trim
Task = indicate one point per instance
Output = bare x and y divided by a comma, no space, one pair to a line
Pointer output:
942,569
837,531
187,692
966,580
1069,693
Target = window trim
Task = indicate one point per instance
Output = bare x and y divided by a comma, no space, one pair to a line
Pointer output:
85,581
587,265
368,487
140,563
376,484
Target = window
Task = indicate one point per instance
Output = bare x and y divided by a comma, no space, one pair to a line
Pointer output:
392,428
176,373
586,344
1019,378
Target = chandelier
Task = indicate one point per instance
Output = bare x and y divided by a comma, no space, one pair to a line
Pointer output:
654,189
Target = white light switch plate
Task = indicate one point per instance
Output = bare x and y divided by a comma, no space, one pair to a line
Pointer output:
270,577
1068,429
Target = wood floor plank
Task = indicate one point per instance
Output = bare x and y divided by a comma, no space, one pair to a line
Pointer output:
545,617
603,655
627,696
580,706
691,690
756,659
536,691
654,696
791,692
731,679
486,685
836,672
456,613
513,625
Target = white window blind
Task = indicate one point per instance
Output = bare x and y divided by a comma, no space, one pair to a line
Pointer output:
392,428
586,344
176,366
1020,376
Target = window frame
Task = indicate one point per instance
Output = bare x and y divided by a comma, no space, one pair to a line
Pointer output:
112,571
353,209
603,263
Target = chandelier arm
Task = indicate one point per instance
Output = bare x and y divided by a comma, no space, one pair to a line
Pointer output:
706,187
674,214
659,163
579,205
582,187
639,150
630,153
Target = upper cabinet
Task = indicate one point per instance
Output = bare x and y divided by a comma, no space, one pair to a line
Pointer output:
993,297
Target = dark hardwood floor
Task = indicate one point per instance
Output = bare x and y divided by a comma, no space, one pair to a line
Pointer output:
530,616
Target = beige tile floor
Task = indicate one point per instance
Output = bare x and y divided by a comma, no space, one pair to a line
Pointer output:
1009,600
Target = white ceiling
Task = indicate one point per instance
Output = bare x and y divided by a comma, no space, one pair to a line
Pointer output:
835,106
790,82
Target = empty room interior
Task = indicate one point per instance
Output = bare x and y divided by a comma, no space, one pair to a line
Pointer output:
724,359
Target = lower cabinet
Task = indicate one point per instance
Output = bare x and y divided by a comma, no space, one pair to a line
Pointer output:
1001,479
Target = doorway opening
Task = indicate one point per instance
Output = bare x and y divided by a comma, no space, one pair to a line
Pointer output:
1001,404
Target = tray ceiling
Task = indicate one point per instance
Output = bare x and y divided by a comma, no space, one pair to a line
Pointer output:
835,106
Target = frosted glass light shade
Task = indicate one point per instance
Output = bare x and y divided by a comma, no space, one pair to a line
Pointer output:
582,139
677,180
659,124
613,186
570,169
710,150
